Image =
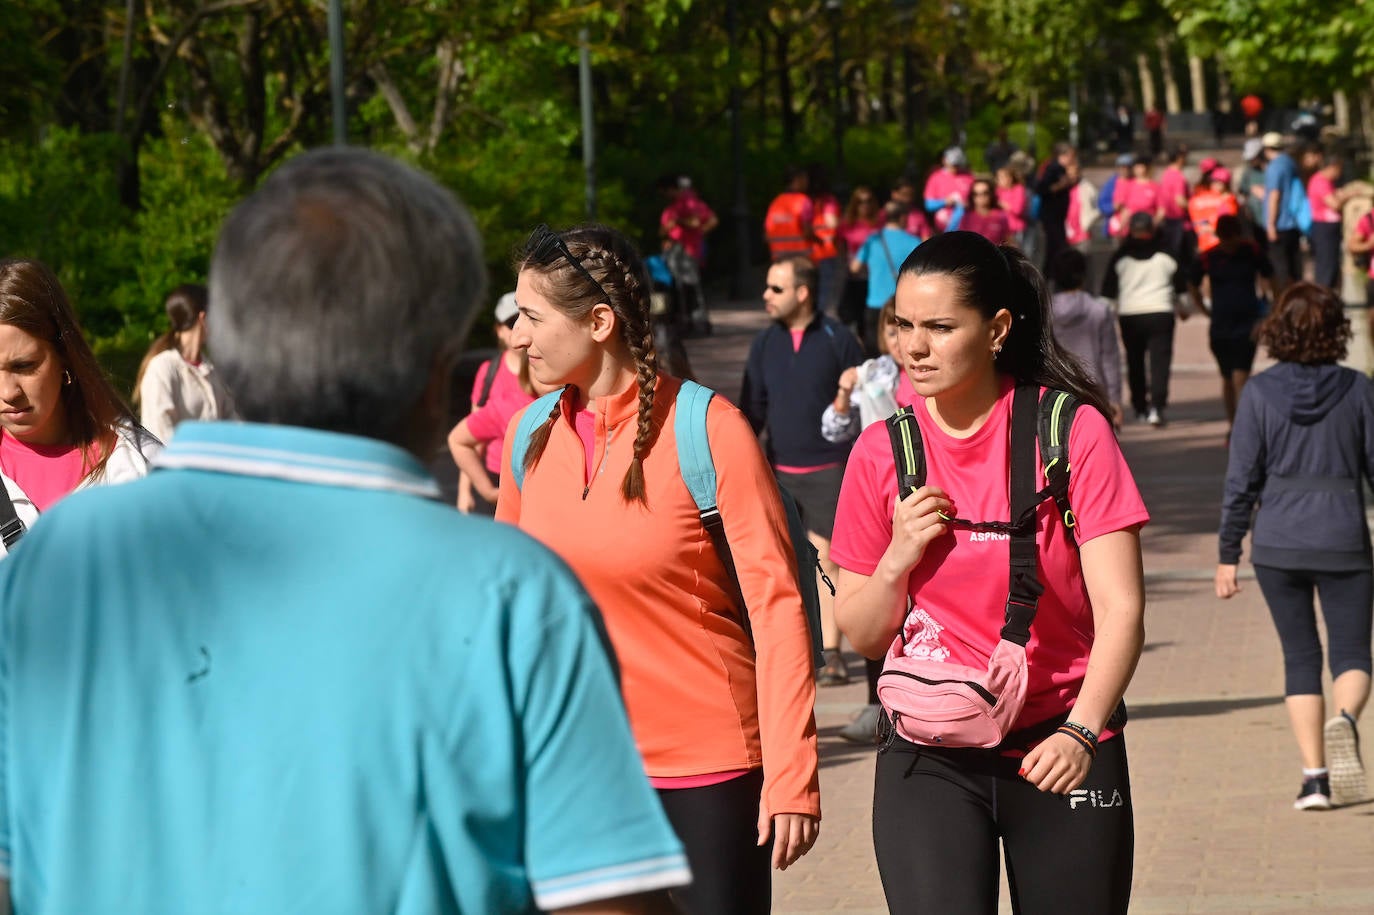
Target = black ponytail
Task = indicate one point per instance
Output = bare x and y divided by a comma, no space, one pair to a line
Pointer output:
993,278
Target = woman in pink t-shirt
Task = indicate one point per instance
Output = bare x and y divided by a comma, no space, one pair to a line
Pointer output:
985,215
503,387
973,322
1325,201
1141,194
62,425
1012,198
862,217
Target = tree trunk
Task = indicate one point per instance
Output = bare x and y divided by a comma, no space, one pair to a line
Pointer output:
1147,81
1172,102
782,40
1197,81
1127,87
1367,123
1225,102
1340,105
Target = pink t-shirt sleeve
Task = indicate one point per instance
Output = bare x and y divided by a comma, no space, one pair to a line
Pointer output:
488,423
868,495
1102,491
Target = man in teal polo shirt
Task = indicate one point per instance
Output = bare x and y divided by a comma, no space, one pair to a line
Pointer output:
278,676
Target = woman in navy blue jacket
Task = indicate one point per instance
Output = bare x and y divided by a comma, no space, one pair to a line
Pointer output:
1301,447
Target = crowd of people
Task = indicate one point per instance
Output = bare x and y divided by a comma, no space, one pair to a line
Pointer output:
606,695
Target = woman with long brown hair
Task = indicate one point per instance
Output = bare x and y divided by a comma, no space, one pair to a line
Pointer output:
62,424
723,719
176,381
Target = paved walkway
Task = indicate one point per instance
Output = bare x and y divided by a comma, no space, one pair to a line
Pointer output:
1214,766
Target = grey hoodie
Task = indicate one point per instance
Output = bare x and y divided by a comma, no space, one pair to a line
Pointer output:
1086,327
1302,444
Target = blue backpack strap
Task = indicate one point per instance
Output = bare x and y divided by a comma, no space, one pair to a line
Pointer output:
534,417
693,448
698,471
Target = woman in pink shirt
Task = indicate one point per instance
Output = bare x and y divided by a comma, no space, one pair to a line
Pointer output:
985,215
503,387
62,425
1325,201
925,576
1011,197
862,217
1138,195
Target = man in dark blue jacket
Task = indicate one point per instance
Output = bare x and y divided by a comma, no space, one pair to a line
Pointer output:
793,372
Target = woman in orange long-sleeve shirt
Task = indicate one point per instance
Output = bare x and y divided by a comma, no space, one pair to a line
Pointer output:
724,722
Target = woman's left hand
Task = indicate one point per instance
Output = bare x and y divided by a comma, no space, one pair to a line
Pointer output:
796,833
1057,765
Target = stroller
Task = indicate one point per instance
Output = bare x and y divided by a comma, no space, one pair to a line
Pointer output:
670,321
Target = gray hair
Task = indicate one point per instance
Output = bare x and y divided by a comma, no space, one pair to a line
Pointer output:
337,289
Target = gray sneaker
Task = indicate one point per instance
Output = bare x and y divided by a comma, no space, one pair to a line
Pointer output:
1343,759
864,726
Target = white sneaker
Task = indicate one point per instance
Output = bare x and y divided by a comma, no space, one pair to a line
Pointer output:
1343,759
1155,418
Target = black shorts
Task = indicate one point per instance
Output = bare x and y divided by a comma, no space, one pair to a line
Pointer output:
816,493
1233,354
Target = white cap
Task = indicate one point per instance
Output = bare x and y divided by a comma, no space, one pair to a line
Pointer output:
505,308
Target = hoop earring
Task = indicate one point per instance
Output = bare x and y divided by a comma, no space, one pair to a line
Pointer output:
66,377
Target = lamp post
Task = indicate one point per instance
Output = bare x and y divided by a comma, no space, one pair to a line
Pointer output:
336,71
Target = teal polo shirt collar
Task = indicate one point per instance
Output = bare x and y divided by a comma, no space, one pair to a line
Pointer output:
296,454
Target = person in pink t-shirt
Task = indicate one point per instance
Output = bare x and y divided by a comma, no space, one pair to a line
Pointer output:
947,188
686,219
1138,195
1173,201
1012,198
985,215
973,323
63,426
502,388
1325,201
862,218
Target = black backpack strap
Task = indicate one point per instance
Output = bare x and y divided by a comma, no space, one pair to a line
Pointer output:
908,451
493,366
1057,410
11,528
1023,587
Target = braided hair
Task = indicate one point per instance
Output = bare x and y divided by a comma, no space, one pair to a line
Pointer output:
614,263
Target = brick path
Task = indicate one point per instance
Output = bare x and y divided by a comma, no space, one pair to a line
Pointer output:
1214,767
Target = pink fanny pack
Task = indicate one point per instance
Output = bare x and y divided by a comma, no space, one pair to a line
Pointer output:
934,703
953,705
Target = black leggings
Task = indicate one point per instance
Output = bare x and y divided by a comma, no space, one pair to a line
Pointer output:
1148,335
1347,602
718,826
938,815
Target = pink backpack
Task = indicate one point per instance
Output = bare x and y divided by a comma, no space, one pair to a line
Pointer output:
934,703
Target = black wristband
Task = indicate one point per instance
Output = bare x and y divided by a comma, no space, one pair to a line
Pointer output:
1086,738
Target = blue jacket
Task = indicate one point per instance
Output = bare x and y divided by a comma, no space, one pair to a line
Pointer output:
1301,447
786,392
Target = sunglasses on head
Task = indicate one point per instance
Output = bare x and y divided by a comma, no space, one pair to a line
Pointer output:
545,244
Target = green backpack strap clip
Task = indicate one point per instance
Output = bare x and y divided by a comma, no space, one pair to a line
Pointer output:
908,451
1056,413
